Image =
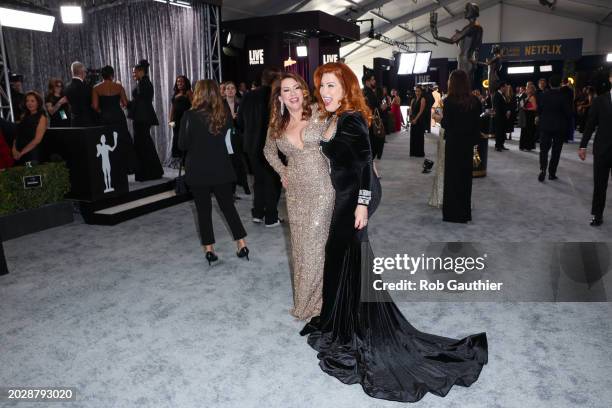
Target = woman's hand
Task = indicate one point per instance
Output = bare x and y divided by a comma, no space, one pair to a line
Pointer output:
284,181
62,100
361,217
16,154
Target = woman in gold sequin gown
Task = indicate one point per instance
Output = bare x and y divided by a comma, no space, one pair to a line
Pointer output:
295,130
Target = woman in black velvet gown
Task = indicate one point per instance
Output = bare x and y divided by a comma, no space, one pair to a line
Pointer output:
361,336
461,123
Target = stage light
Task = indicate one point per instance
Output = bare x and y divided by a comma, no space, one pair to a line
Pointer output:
546,68
26,20
406,63
302,51
179,3
609,57
229,37
485,84
421,64
71,14
527,69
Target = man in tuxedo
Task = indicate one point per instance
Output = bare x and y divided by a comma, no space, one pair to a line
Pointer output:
555,112
501,116
600,117
17,97
79,97
252,120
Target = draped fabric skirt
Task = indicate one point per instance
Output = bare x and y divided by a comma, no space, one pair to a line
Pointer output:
362,337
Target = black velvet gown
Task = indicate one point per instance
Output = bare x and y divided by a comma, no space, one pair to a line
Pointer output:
361,335
461,132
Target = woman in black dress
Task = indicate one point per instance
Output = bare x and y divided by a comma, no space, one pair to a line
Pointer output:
362,337
108,99
30,131
237,157
417,123
57,104
181,103
461,123
208,166
140,110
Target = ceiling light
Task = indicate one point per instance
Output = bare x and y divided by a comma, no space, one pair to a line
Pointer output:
546,68
71,14
609,57
302,51
26,20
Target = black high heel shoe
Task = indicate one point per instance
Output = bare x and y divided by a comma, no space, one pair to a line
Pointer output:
243,253
211,257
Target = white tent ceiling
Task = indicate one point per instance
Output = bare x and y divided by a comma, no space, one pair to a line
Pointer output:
398,18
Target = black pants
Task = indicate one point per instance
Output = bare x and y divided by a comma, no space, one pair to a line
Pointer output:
500,133
3,266
149,166
377,145
225,199
602,167
548,140
417,140
266,189
240,170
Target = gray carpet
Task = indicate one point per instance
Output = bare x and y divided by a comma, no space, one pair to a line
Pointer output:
132,316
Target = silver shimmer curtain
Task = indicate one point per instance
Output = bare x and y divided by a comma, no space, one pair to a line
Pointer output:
171,38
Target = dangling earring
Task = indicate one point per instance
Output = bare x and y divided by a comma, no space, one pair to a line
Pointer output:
282,108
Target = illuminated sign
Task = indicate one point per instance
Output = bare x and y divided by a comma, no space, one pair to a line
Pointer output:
330,58
256,57
569,49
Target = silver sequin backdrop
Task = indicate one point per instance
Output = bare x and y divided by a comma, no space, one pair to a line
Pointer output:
175,41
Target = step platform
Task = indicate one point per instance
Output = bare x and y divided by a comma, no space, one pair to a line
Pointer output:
142,198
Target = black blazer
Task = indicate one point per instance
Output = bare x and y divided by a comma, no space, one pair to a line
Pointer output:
79,98
140,108
207,161
600,117
555,111
252,120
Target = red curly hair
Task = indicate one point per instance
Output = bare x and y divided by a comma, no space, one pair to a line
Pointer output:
353,100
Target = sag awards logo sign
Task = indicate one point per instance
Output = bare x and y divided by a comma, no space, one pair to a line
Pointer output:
330,58
256,57
103,150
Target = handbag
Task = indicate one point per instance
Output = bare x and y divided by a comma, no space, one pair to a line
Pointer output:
378,128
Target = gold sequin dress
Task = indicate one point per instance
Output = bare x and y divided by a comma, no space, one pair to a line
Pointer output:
310,202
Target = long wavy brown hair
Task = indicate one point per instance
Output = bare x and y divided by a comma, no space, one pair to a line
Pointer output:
279,121
353,100
459,89
207,99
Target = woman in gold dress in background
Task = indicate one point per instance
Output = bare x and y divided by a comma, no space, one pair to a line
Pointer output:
295,130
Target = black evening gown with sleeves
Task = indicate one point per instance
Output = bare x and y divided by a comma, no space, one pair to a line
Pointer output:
461,132
367,340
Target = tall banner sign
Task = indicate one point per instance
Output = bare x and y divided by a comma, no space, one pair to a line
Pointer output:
545,50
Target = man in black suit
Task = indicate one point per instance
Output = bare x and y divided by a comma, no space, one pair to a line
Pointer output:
17,97
555,112
600,117
79,97
252,120
373,101
501,116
